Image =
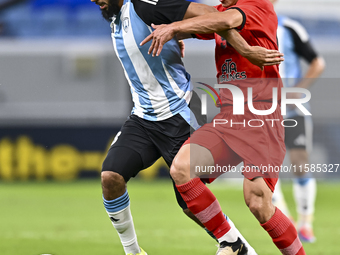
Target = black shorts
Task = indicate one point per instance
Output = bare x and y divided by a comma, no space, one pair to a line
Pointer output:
150,140
141,142
300,136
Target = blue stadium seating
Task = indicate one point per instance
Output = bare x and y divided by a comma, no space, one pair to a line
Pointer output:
69,18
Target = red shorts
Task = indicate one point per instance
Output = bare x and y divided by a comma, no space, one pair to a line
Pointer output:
255,140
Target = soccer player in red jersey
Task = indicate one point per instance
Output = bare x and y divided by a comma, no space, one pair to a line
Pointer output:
219,143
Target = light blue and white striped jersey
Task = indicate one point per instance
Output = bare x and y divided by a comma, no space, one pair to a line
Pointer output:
290,69
160,86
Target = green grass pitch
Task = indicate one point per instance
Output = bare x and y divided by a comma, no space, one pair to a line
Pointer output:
69,219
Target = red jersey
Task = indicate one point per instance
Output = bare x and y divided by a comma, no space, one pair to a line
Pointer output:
258,29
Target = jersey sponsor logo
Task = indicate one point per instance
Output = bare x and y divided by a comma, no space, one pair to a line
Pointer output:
230,73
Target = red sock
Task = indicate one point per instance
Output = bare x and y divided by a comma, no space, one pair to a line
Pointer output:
284,234
204,205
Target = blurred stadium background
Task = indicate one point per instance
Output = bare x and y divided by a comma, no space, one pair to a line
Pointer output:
63,97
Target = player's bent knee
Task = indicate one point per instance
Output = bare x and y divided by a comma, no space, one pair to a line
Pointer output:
179,170
255,205
261,209
109,178
113,185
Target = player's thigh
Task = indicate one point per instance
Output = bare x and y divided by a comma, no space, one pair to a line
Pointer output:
131,151
192,155
185,163
209,149
298,156
169,135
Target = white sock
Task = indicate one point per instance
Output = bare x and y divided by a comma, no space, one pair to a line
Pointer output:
231,236
251,250
304,190
279,200
121,218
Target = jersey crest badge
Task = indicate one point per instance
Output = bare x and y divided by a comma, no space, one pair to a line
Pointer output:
126,24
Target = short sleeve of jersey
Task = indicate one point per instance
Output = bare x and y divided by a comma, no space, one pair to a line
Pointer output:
160,11
302,44
253,14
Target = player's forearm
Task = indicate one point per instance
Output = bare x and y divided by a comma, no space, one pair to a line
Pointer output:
236,40
316,67
209,23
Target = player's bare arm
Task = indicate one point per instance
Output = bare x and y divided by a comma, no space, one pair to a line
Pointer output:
314,71
256,55
196,9
200,24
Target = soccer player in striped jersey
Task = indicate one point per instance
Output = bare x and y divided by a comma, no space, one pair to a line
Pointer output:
294,42
161,118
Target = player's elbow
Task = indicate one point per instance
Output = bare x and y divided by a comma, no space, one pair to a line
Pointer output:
230,19
225,24
317,66
321,64
228,24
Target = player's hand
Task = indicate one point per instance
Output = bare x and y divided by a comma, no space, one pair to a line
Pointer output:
261,57
181,47
161,35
